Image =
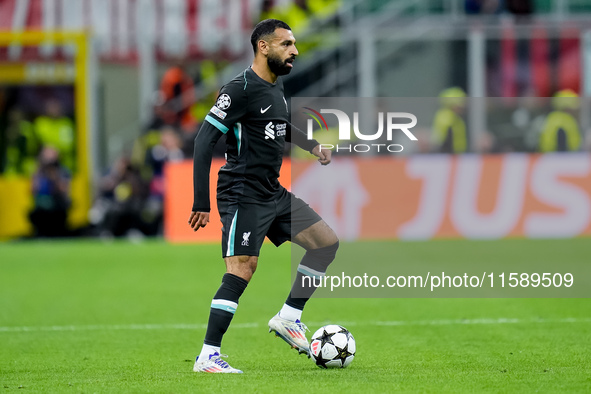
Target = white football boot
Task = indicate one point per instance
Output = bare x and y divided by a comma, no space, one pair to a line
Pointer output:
292,332
214,364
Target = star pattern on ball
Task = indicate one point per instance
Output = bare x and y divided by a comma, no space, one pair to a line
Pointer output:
326,338
344,352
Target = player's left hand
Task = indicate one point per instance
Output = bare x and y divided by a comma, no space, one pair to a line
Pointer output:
323,155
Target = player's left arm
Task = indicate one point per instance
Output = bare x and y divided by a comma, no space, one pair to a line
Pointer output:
300,138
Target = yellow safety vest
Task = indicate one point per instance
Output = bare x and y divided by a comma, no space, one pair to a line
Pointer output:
59,134
556,121
446,120
21,155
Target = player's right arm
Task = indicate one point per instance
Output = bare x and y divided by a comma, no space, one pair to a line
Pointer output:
230,107
202,154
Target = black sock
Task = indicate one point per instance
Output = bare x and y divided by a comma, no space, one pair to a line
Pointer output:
313,265
223,307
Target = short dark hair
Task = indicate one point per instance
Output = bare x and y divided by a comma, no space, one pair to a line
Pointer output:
265,28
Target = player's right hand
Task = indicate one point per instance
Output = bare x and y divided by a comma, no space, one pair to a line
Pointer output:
198,220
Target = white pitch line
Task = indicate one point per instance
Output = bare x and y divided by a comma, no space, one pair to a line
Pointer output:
483,321
446,322
119,327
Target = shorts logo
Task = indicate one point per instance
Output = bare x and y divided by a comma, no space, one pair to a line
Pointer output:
245,237
223,102
269,131
218,112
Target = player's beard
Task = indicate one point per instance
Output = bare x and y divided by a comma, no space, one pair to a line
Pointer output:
278,66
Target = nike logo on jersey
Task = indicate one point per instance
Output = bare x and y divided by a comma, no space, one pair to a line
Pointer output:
266,109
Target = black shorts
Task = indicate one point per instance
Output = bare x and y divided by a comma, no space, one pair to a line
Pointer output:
246,222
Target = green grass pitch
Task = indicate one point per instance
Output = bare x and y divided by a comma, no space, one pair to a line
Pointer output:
88,316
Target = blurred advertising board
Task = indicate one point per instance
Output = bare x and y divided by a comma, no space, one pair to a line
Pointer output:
422,196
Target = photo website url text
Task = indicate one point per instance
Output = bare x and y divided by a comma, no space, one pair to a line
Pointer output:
442,280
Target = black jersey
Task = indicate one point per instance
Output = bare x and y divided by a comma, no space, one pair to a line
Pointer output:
254,115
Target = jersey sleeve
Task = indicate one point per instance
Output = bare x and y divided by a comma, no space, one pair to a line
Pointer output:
298,137
230,106
202,154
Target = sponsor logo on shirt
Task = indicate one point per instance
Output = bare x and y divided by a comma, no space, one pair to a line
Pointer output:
272,131
218,112
269,131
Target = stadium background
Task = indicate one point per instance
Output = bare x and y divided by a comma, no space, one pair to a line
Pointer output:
112,65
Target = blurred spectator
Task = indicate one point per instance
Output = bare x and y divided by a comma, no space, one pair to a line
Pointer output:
22,146
177,92
57,131
449,128
134,191
123,194
52,196
153,149
168,149
142,147
560,132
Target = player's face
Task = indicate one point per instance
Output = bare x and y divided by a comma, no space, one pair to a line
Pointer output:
282,52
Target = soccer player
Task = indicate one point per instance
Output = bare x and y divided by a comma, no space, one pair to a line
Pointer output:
252,111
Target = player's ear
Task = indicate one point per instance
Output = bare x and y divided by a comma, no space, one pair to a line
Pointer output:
263,47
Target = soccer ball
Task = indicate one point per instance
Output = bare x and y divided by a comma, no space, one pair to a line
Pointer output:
332,346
